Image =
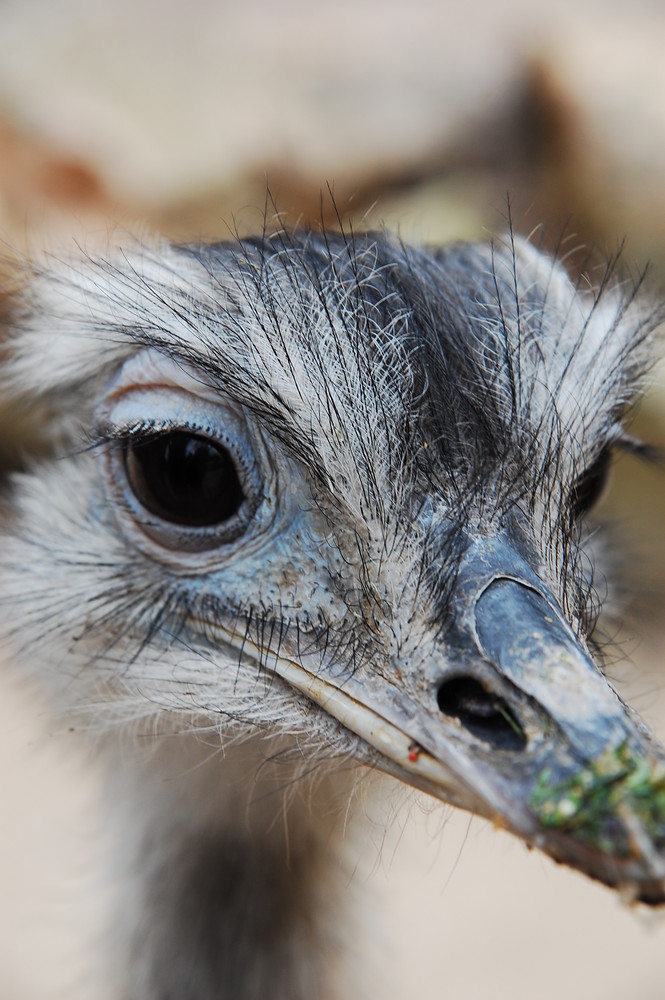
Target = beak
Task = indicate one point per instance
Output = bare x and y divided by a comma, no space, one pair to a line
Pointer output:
508,717
587,782
514,721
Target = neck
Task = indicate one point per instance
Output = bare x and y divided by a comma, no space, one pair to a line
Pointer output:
231,873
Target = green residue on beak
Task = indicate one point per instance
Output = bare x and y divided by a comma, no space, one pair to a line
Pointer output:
614,803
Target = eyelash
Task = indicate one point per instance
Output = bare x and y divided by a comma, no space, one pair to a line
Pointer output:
113,434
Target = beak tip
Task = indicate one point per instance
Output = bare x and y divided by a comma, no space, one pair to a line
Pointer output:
607,819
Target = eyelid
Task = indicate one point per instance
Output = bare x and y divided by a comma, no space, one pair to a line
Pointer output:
151,369
172,408
169,407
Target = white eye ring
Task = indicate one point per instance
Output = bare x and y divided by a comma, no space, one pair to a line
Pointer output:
180,467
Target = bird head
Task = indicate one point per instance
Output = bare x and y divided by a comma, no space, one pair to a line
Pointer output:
335,488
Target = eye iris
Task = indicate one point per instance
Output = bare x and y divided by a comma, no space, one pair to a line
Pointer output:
184,479
590,486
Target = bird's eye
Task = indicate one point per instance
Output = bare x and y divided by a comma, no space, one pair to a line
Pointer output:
184,478
184,470
589,487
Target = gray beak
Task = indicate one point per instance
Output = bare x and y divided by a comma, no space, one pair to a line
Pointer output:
507,715
574,771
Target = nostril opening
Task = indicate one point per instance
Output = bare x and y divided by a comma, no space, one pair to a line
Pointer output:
484,714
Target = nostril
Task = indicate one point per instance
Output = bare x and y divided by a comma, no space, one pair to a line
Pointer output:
484,714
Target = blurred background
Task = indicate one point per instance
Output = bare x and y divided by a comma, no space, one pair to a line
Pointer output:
428,117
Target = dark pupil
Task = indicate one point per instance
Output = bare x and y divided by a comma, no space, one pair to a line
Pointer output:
588,488
184,479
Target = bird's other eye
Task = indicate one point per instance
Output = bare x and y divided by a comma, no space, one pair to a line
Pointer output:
184,478
590,486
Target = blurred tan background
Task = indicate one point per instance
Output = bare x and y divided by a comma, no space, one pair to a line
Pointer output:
424,115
